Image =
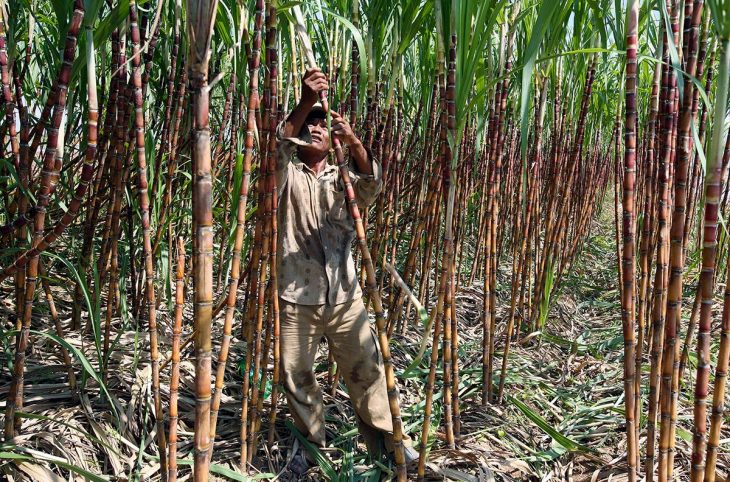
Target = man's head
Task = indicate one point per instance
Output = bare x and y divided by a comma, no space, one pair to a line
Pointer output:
314,132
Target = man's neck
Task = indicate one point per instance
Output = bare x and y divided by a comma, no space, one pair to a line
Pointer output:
316,166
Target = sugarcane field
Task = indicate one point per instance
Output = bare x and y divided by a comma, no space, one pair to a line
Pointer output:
364,240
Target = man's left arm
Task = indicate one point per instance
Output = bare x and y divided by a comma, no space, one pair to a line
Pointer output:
365,172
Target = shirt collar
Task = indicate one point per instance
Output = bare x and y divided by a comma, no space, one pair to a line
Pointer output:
328,168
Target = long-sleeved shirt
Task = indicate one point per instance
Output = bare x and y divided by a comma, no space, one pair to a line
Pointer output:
316,231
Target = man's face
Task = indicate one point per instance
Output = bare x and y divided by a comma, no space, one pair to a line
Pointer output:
320,139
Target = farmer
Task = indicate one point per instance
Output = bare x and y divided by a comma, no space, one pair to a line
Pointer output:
318,288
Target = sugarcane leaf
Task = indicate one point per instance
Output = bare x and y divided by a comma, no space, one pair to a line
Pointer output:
92,9
560,438
94,309
324,464
547,10
225,25
698,146
53,460
16,179
114,19
88,368
35,416
721,16
673,54
62,11
357,37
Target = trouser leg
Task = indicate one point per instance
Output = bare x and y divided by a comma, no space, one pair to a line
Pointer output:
355,348
301,329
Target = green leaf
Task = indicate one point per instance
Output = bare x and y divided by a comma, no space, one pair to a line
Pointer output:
357,37
220,470
563,440
324,464
88,368
547,10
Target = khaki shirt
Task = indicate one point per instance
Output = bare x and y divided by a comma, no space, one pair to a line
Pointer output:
316,231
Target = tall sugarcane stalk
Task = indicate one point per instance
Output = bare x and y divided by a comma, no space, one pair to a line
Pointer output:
200,19
629,241
144,203
723,357
268,179
10,107
175,357
661,274
668,394
253,103
50,174
707,281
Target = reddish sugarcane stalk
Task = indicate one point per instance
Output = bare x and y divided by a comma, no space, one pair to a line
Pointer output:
172,161
456,417
200,20
649,177
354,66
59,331
250,319
668,395
172,73
661,275
175,368
628,270
447,267
274,300
617,181
409,270
430,381
9,101
650,214
697,178
723,359
87,173
114,230
144,203
274,283
50,173
713,183
487,320
265,222
491,262
101,180
253,103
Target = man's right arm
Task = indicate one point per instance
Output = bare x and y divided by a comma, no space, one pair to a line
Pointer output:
313,82
295,121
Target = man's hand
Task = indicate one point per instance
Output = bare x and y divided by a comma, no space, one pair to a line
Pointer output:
342,130
313,82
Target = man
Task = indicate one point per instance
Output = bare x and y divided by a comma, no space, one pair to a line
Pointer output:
318,288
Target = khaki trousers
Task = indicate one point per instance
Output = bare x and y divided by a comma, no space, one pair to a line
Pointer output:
353,342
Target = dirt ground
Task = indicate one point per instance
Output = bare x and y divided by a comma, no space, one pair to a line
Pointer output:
562,417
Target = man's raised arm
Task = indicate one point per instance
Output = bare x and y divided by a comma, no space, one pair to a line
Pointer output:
313,82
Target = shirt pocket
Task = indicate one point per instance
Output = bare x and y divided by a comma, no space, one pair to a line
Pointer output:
338,211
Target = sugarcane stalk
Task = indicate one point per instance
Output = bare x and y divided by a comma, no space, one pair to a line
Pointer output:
50,174
629,241
707,281
175,357
200,20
